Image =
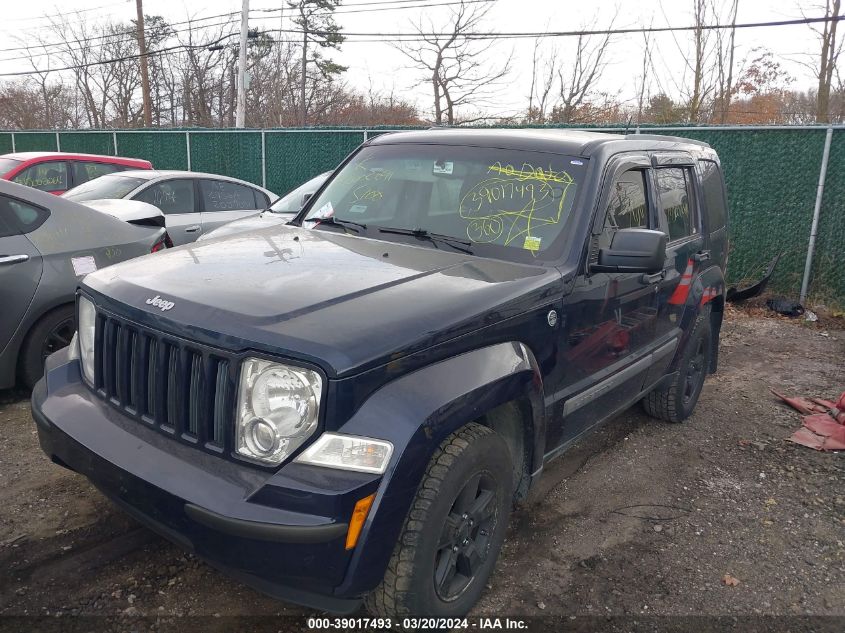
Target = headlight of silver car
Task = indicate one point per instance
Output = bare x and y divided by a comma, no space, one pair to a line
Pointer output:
86,321
278,408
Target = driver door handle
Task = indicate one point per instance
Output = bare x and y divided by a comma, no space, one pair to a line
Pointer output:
192,229
701,256
8,260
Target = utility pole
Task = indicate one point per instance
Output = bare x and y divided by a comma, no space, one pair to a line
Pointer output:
240,117
302,104
145,73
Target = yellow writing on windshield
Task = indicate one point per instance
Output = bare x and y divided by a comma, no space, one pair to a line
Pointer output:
514,202
527,172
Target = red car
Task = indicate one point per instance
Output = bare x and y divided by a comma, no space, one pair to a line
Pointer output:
56,172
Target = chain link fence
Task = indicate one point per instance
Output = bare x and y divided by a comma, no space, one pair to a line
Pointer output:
772,175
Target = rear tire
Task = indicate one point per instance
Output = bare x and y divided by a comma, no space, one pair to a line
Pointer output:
50,334
454,530
676,401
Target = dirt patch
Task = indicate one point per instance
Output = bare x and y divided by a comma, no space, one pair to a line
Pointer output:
642,518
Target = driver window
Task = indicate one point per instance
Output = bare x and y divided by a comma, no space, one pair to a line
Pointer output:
627,207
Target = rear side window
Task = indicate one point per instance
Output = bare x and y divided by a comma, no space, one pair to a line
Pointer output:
18,217
261,199
674,185
51,176
171,196
220,195
713,188
85,171
106,188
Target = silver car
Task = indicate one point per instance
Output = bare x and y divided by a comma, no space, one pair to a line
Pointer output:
46,245
281,211
193,203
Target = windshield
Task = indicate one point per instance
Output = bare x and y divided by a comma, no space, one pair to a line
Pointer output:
296,199
104,188
8,164
506,203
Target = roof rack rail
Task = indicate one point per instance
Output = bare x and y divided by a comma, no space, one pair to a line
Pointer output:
666,137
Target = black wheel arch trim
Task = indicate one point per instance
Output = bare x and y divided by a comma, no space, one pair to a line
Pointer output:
266,531
425,406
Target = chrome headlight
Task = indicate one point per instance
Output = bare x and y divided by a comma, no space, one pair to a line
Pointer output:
86,321
278,408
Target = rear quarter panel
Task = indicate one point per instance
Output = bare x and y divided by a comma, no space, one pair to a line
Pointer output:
76,232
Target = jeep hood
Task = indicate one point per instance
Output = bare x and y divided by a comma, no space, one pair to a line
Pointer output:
262,220
343,302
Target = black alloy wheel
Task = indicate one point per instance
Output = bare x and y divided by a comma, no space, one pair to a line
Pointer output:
465,539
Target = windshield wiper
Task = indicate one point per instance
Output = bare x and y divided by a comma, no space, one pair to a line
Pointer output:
435,238
333,221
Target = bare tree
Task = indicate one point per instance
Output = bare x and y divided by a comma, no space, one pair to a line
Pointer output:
725,52
454,63
698,83
647,63
542,84
572,77
580,79
827,61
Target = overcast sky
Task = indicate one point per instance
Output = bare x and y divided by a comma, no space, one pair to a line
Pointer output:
378,65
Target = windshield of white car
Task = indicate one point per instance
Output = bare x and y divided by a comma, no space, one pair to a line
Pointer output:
504,203
111,187
293,201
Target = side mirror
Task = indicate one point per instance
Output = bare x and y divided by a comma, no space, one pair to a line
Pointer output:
633,251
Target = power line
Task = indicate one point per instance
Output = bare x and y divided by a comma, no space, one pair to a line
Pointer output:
47,53
381,37
169,49
61,45
116,33
349,8
585,33
47,17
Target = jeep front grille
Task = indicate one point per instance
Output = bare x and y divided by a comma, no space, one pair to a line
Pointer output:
179,388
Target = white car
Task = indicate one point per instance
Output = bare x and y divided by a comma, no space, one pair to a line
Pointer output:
193,203
282,211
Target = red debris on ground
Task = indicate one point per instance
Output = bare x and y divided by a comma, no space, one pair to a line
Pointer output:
824,422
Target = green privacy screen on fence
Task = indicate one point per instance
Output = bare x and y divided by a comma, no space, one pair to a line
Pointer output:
772,176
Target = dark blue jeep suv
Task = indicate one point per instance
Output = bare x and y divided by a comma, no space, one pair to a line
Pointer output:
345,409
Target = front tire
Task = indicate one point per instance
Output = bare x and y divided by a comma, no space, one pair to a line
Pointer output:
676,401
454,530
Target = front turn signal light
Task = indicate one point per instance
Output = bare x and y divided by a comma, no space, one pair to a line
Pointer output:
359,515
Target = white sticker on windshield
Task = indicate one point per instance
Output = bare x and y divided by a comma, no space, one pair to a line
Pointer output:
443,167
326,211
357,208
83,265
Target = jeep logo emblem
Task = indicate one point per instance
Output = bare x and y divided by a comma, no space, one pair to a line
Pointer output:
161,304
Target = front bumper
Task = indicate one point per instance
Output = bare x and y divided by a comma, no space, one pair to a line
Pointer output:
282,533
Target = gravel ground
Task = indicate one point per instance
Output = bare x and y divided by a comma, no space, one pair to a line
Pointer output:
643,518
